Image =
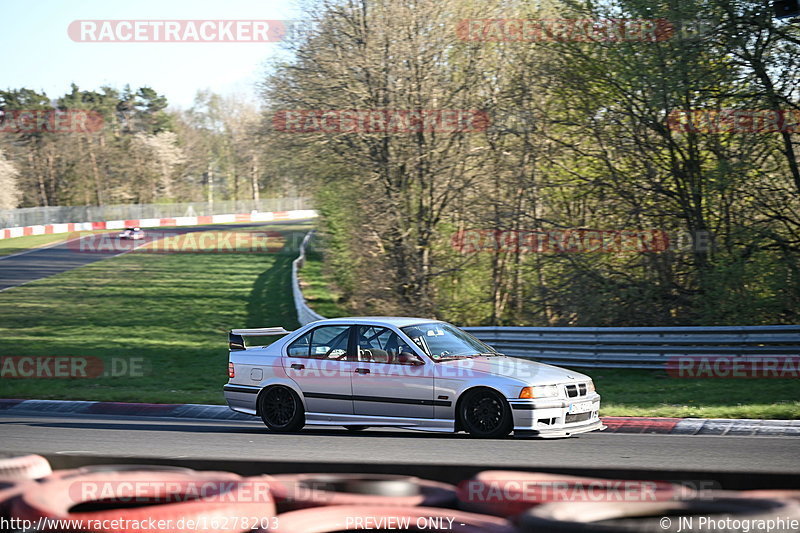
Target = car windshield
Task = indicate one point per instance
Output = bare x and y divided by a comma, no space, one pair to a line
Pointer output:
444,342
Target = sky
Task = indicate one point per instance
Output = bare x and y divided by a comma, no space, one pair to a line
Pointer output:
38,54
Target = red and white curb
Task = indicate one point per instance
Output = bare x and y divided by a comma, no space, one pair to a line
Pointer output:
615,424
48,229
703,426
163,410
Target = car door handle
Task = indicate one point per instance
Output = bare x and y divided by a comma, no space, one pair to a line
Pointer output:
298,366
362,370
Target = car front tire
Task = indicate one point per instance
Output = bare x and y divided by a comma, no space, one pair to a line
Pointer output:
485,414
281,410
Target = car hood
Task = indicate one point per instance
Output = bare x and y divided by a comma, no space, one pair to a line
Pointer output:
524,370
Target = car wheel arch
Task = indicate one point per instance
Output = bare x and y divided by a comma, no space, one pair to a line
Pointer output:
291,386
457,423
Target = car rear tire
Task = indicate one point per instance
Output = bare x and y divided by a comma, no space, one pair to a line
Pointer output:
485,414
281,410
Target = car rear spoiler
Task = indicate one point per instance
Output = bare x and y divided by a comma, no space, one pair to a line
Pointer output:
236,336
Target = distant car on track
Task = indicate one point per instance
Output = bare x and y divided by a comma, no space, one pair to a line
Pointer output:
133,234
412,373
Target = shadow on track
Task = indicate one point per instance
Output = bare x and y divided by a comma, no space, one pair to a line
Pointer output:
374,433
270,302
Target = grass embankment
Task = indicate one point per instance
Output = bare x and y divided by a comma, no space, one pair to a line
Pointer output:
317,288
654,393
171,310
21,244
634,392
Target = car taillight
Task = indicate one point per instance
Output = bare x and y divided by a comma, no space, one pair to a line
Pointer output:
231,372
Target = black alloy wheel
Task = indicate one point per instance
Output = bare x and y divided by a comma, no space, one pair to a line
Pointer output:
281,410
486,414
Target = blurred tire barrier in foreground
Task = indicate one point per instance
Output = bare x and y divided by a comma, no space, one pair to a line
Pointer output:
9,491
24,467
14,472
719,514
377,518
187,500
299,491
492,501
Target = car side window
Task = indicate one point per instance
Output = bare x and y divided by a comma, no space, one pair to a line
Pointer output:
329,342
382,345
301,347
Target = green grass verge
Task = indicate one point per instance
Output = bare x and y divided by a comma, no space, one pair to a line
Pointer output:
317,288
654,393
633,392
171,310
20,244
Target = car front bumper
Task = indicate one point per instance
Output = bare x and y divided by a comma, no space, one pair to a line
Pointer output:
556,417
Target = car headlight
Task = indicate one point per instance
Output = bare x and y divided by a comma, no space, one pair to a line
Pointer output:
590,386
539,391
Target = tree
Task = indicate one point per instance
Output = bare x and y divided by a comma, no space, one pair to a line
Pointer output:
391,57
582,138
158,155
9,190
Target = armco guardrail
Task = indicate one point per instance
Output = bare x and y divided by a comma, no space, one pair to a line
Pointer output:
304,313
644,347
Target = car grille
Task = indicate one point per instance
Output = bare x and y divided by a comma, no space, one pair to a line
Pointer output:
578,417
573,391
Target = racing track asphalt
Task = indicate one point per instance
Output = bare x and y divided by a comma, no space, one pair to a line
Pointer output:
38,263
173,438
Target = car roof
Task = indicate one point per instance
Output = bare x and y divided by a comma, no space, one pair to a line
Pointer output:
397,321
